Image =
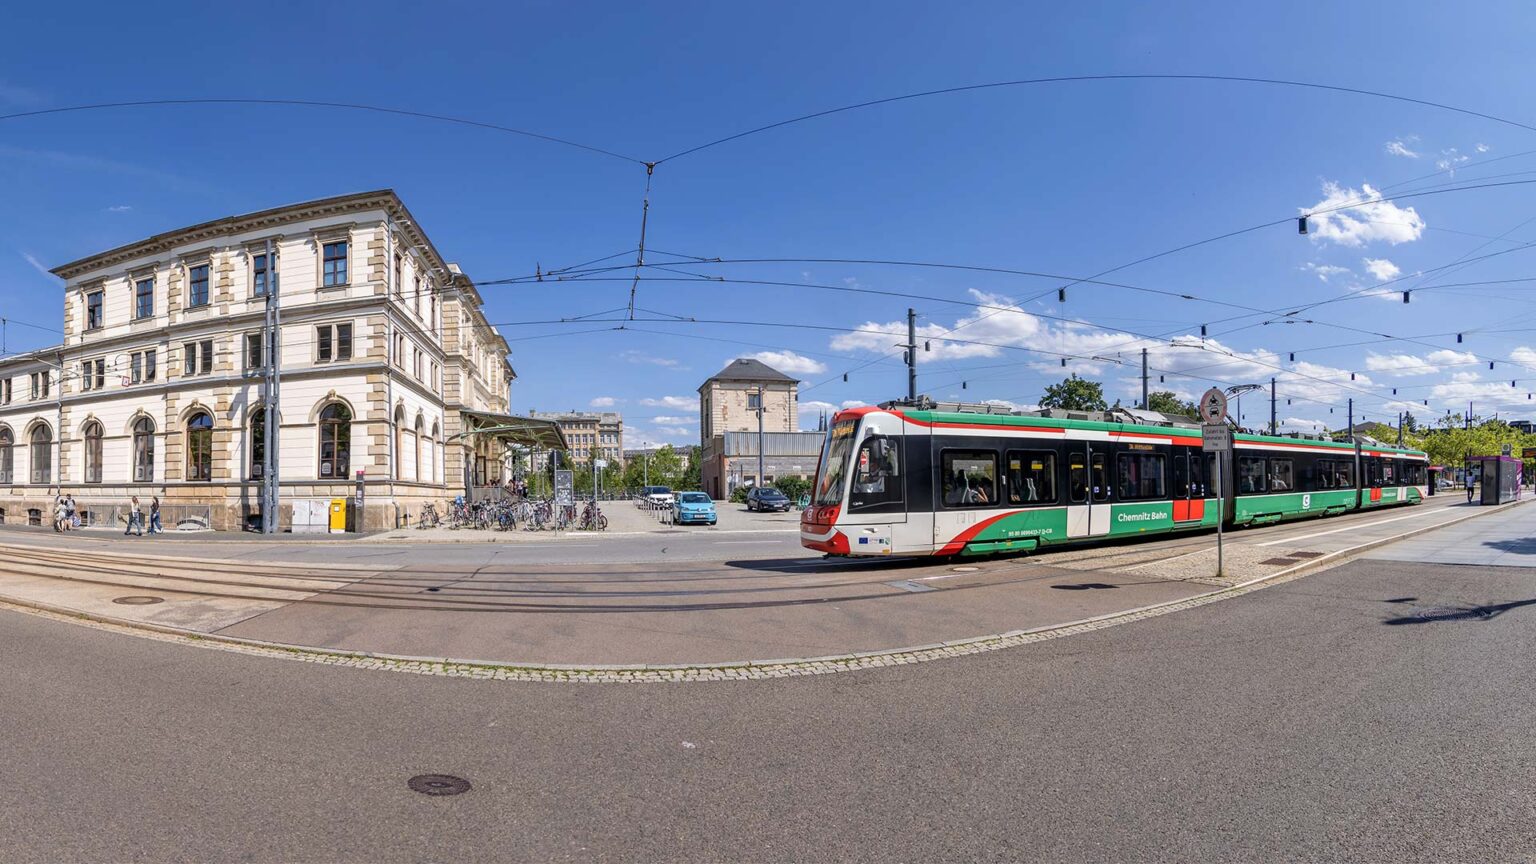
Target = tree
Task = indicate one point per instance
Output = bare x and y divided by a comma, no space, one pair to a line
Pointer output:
1410,424
1075,394
1165,402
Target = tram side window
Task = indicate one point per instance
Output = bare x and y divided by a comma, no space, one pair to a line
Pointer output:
1077,478
1031,477
1099,464
970,478
1373,472
1344,473
1415,474
1141,476
876,474
1388,473
1250,475
1282,475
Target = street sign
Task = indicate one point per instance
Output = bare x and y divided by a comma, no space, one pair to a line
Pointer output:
1215,438
1508,449
565,489
1213,406
1528,452
600,463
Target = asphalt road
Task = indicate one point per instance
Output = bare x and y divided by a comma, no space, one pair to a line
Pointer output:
1377,712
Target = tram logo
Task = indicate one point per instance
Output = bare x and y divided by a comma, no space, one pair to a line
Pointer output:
1149,516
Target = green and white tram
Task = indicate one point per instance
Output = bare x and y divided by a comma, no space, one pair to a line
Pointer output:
955,480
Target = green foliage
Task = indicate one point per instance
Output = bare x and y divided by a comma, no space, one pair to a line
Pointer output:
1450,442
792,487
1164,401
1075,394
739,494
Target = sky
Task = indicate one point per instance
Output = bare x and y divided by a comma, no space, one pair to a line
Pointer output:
1064,180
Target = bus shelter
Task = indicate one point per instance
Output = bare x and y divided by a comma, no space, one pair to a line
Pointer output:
1501,477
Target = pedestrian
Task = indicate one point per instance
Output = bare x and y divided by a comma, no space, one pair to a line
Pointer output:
1470,481
154,516
71,517
60,513
135,519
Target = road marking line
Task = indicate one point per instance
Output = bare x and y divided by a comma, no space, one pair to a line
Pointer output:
1347,528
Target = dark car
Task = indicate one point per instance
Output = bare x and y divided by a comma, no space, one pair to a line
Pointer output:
767,500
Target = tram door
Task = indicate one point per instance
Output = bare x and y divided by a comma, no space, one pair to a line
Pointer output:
1189,489
1087,489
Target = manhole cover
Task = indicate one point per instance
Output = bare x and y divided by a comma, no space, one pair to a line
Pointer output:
438,784
1278,561
965,569
138,600
1452,613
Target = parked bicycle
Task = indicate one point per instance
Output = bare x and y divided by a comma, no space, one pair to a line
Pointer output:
592,518
428,517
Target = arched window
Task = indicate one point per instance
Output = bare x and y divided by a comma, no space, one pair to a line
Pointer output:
335,441
42,454
400,443
437,453
257,429
143,450
200,446
7,454
92,435
421,474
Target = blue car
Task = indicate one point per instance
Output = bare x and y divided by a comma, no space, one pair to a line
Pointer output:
693,508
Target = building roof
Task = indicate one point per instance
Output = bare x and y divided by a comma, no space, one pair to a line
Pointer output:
384,199
748,369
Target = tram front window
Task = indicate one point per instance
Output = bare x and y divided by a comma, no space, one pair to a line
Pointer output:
834,463
876,474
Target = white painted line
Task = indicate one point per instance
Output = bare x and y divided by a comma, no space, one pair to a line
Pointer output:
1354,527
748,542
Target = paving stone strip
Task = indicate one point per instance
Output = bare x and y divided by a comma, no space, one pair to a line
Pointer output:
742,671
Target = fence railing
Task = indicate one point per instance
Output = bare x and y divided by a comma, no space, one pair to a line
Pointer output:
173,517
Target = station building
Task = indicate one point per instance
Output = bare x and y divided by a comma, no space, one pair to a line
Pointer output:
729,404
390,376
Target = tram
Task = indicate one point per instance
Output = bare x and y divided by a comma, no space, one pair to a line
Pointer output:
967,479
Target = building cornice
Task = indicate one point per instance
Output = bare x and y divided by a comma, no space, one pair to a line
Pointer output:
211,232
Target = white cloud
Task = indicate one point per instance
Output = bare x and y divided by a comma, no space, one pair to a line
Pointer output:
1301,424
1011,406
673,421
854,403
642,357
37,265
602,402
1482,148
119,208
789,362
1523,354
1397,148
1325,271
1449,159
673,431
672,402
1411,364
1382,269
1369,219
814,406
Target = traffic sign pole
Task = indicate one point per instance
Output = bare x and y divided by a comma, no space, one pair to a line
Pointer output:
1216,437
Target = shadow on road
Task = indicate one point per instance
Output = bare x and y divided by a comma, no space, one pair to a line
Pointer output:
1083,586
1459,613
1516,546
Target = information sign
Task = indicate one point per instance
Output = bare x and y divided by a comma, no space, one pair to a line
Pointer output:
565,489
1215,438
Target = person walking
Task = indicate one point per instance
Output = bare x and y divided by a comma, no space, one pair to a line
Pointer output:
1470,481
71,516
60,514
154,516
135,519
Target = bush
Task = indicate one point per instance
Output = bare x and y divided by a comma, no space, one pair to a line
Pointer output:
739,494
793,487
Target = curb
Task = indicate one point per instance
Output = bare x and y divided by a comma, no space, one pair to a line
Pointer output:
722,671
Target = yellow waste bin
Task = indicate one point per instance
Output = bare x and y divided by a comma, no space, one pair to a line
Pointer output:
338,515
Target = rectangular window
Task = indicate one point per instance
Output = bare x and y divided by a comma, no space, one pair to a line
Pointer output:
253,352
325,350
1250,475
93,318
197,294
1282,475
1031,477
754,400
259,279
5,391
1099,471
85,375
343,341
399,272
1388,473
148,360
197,357
334,264
93,374
205,351
417,299
144,298
969,478
1077,477
136,368
1141,476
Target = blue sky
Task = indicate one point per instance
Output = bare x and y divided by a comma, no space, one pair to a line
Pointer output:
1070,179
